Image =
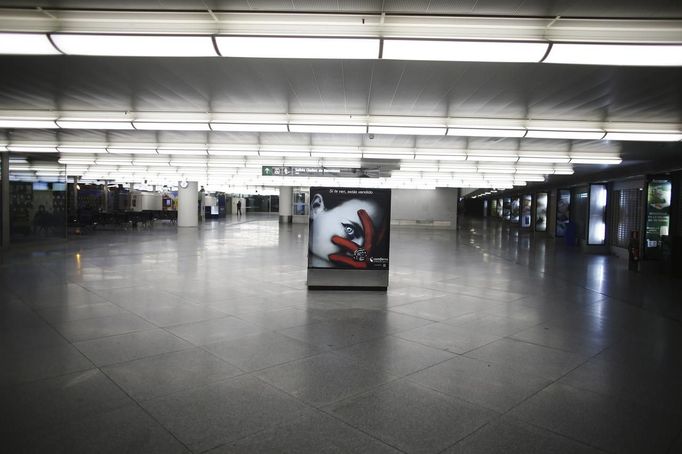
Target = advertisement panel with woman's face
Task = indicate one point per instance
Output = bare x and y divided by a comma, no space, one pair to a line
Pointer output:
349,228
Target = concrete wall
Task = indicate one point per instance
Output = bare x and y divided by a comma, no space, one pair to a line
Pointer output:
413,207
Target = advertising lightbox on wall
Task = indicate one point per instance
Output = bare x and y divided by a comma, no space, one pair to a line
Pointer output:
506,211
659,195
485,207
563,211
349,228
500,208
515,210
526,202
541,212
596,233
493,207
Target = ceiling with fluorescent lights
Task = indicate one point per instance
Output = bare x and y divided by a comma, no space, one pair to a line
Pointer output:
589,93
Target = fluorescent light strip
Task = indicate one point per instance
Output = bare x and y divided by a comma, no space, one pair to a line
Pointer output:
75,124
26,44
596,161
170,126
248,127
616,54
32,149
481,132
483,51
134,45
298,47
644,137
571,135
33,124
328,129
407,130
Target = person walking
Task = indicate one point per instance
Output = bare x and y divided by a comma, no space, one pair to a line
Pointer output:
239,207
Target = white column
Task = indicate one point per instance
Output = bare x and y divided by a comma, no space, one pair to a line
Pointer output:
285,204
188,204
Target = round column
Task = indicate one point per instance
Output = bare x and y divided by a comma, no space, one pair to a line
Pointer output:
285,204
188,204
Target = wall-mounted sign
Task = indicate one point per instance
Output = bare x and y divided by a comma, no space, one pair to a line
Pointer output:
349,228
563,211
659,195
338,172
541,212
526,202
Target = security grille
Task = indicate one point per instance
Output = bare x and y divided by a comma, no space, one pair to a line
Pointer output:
627,216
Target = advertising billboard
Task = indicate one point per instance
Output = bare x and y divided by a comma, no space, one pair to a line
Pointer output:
515,210
526,202
349,228
506,212
541,212
493,208
658,212
596,227
499,208
563,211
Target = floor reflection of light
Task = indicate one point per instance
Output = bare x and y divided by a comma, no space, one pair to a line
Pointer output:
597,272
78,261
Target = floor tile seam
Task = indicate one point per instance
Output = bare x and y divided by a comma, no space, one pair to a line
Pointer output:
471,295
555,276
246,372
92,367
310,406
503,336
551,382
89,317
75,341
424,344
552,348
143,409
119,363
187,389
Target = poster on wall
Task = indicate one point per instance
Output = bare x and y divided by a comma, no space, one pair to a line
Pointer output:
349,228
515,210
499,208
658,199
526,202
485,208
506,212
541,212
493,207
563,211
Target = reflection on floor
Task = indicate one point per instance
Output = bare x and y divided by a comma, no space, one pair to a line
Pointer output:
177,340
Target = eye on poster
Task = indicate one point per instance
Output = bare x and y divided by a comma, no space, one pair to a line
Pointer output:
349,228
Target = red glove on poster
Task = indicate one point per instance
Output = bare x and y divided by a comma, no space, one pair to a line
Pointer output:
358,254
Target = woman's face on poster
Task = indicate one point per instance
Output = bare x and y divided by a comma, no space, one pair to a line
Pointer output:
342,220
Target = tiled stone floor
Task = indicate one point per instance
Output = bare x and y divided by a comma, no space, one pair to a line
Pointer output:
207,341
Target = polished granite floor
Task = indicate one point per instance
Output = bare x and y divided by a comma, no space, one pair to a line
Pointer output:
163,341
